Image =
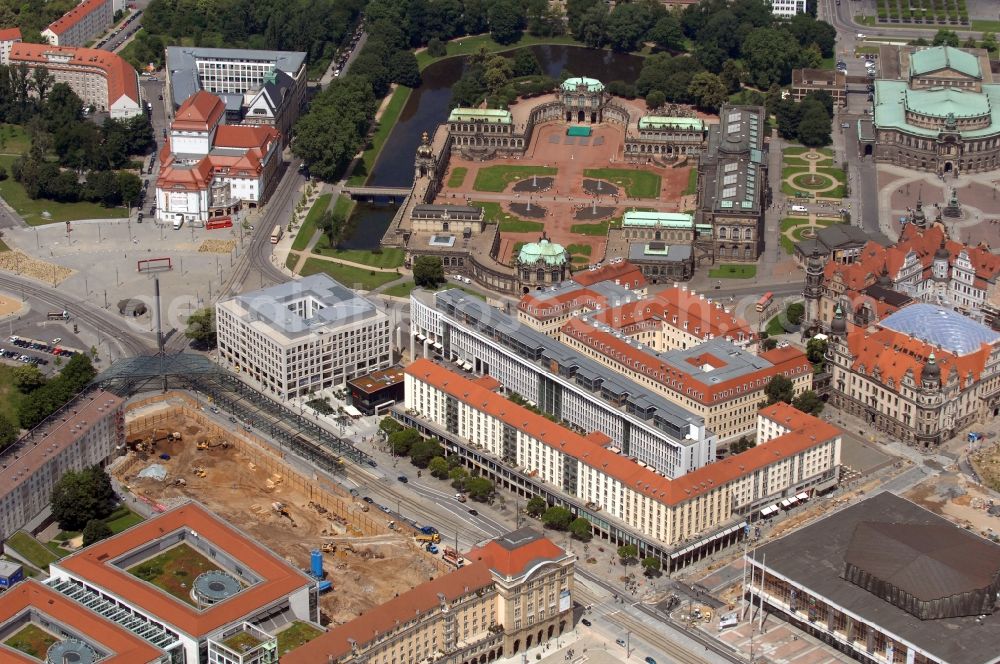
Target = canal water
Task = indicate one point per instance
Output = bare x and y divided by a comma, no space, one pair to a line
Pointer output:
429,105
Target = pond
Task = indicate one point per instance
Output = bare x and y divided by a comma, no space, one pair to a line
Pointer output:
429,105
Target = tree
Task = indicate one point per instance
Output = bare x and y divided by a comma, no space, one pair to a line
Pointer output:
708,90
458,477
428,271
201,327
436,48
525,63
795,312
816,125
580,528
779,388
732,75
8,433
655,99
557,517
506,21
439,467
808,402
816,350
787,114
479,488
80,496
628,553
667,34
422,451
78,372
946,38
536,506
27,378
95,531
769,55
401,441
651,565
388,425
741,445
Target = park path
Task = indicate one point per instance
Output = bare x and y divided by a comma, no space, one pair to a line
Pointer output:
307,252
813,159
334,259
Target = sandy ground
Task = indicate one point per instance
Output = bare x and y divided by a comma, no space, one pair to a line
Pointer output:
954,497
10,305
365,571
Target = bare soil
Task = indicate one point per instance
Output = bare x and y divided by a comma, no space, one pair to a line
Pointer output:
365,571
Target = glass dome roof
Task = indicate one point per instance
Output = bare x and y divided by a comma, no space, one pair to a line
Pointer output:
942,327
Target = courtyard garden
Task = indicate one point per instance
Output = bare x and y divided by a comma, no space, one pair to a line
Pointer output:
174,570
796,229
509,223
810,174
637,184
32,640
497,178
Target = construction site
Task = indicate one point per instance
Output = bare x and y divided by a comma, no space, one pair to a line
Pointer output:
176,452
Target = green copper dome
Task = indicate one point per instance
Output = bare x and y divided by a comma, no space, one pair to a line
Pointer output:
543,250
591,84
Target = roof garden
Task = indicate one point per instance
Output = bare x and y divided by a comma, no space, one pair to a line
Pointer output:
174,570
32,640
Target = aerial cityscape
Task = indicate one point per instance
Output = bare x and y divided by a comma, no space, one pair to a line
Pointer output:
412,331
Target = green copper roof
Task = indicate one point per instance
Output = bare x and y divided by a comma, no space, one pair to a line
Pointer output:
592,84
543,250
936,58
636,218
493,115
893,97
665,122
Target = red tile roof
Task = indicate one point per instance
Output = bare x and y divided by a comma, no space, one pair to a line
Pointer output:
391,615
278,578
75,15
124,646
628,472
120,76
623,273
517,561
561,304
10,34
199,112
788,361
238,136
196,177
674,307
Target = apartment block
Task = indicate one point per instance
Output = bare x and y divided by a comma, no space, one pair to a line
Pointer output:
8,37
587,467
83,433
715,380
559,380
511,594
302,336
82,24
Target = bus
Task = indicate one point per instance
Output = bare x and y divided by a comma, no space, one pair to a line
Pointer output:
276,234
765,301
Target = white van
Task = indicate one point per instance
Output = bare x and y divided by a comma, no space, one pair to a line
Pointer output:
728,620
178,223
799,208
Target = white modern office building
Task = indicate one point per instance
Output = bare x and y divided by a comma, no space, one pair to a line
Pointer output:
302,336
560,381
787,8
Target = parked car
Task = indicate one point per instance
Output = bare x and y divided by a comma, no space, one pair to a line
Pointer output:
403,479
368,499
620,642
586,622
473,512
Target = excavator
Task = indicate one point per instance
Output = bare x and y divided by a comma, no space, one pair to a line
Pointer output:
283,511
205,445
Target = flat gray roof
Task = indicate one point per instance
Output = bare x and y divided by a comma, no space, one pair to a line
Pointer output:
674,252
183,68
615,294
589,374
813,558
333,304
738,361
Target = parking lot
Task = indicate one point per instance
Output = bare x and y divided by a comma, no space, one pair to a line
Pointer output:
33,351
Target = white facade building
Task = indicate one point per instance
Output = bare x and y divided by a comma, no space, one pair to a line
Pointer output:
303,336
8,37
787,8
81,24
560,381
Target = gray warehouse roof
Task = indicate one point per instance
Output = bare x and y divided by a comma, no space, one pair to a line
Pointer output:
330,304
814,558
182,65
589,374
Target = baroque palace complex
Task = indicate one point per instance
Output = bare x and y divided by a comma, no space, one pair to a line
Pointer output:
727,225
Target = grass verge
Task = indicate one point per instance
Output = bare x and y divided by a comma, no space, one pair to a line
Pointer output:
496,178
404,289
600,228
292,260
308,227
729,271
637,184
31,550
692,185
10,396
385,125
122,519
388,257
352,277
791,222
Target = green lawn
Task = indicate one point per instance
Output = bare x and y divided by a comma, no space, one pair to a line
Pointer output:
308,226
10,397
3,246
292,260
599,228
496,178
520,226
692,185
791,222
352,277
385,125
32,640
637,184
13,139
835,173
295,635
404,289
509,223
727,271
786,244
583,249
470,45
795,150
174,570
457,176
122,519
31,210
31,549
388,257
985,26
774,326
